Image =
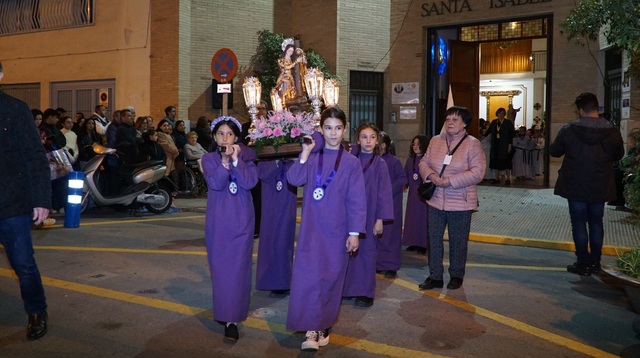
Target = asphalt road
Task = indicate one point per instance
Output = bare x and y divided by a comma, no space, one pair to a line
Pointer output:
122,286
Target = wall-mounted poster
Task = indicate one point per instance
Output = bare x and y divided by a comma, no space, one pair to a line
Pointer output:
626,106
405,93
408,112
626,81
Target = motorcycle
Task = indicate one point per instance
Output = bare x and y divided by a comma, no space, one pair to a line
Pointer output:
144,183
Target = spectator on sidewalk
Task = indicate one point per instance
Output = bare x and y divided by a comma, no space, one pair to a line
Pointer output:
590,146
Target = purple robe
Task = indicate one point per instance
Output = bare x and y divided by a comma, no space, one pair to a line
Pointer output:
389,244
361,271
320,262
415,216
278,228
228,234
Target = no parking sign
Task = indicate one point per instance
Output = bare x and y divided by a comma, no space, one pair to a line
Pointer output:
224,65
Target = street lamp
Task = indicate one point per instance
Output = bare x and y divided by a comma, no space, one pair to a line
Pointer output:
252,91
331,93
314,81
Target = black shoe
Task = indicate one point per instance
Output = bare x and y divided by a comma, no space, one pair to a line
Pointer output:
391,274
595,268
37,326
421,250
380,271
430,283
412,248
231,332
363,301
455,283
579,268
278,293
507,183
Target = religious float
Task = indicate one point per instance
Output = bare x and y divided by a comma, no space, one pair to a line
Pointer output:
296,100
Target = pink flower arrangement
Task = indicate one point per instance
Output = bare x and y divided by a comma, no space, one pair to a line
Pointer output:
281,127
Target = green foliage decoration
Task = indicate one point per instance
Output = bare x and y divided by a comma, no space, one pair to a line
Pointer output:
629,263
619,20
265,61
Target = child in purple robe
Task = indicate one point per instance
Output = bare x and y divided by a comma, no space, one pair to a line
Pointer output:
230,175
361,272
415,218
278,229
333,216
390,242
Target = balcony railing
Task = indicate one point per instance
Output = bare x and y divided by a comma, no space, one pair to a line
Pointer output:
22,16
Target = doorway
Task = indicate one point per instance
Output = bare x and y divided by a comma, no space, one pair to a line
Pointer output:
492,65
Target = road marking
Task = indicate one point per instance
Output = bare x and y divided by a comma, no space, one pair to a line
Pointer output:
349,342
121,250
509,322
95,223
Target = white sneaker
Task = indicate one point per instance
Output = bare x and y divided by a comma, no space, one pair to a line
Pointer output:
311,343
323,337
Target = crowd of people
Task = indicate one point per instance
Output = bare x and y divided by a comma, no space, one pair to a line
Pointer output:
351,226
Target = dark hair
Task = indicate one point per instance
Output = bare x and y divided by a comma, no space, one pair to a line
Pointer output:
286,48
83,126
168,109
424,143
202,122
501,109
333,112
35,112
139,121
159,127
233,126
384,138
148,133
50,112
178,123
61,110
463,112
587,101
98,107
0,67
81,114
365,125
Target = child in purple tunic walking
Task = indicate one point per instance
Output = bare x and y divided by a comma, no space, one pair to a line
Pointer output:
415,217
333,216
278,229
361,272
230,175
390,242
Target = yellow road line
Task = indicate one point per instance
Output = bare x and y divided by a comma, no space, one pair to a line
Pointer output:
95,223
509,322
350,342
121,250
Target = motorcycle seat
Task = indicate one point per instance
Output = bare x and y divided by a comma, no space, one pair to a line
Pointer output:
129,169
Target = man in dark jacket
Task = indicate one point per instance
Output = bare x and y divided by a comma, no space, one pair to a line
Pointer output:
590,145
25,196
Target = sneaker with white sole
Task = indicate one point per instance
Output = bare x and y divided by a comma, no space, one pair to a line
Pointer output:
323,337
311,343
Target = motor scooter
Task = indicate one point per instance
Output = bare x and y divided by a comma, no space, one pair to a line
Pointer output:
143,183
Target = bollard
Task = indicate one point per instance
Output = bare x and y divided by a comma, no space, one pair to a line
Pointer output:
74,200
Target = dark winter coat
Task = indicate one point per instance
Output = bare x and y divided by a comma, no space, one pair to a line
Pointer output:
24,168
590,146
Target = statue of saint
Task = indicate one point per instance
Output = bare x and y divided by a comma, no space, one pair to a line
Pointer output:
293,67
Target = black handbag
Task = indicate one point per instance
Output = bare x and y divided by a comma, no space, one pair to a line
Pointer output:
426,189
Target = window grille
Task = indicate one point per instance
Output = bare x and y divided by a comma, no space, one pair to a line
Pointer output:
21,16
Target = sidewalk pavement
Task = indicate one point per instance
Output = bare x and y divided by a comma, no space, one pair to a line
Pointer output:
524,217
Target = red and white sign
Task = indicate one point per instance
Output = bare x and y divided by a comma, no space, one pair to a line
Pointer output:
224,88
